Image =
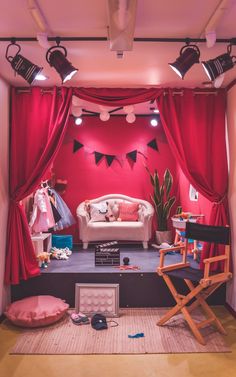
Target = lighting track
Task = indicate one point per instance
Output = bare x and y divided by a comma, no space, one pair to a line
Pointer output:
231,41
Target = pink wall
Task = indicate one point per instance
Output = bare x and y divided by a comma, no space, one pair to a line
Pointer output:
87,180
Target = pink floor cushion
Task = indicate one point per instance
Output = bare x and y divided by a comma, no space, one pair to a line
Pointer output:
36,311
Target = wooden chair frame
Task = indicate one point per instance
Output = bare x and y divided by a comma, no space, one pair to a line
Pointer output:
206,286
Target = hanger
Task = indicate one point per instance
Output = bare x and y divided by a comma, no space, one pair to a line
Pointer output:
44,184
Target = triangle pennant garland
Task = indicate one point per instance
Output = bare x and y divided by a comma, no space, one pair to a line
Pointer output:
132,155
110,158
98,156
153,144
77,145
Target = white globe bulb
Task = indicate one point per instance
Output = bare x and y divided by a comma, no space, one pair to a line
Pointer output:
154,122
104,116
78,121
130,118
76,111
128,109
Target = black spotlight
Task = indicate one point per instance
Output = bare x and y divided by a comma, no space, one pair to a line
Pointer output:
216,67
21,65
189,55
58,60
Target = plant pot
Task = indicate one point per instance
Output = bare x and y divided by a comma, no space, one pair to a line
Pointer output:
164,236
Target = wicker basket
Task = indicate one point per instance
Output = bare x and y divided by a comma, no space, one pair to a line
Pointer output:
181,224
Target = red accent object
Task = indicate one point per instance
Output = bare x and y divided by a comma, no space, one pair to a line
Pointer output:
37,128
130,267
195,129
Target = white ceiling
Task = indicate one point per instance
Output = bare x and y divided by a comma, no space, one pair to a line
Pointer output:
145,66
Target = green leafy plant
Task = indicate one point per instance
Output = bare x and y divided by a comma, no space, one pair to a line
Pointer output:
161,198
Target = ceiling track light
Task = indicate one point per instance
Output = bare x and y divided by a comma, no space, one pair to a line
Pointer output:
222,63
22,66
57,59
189,55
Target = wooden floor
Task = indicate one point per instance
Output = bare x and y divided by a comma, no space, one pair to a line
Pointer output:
158,365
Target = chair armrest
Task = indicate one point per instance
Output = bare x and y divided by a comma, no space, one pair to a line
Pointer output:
162,268
174,248
210,260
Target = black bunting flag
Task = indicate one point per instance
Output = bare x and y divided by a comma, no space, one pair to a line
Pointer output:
110,158
98,156
77,145
132,155
153,144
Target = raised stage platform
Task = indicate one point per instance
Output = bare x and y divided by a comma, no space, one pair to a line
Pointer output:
138,288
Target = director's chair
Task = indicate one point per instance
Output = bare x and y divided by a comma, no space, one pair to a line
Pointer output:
201,283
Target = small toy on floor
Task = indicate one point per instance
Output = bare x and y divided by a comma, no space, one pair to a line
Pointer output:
60,254
79,319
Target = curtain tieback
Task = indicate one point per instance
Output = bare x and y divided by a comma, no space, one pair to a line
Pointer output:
221,200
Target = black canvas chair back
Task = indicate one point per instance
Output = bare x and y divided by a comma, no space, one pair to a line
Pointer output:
208,233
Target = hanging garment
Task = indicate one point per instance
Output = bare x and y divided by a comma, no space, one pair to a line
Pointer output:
67,218
42,217
56,213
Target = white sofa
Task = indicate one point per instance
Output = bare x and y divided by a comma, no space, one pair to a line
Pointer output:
117,230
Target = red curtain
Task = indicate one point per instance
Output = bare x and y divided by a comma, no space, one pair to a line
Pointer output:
195,128
38,125
117,97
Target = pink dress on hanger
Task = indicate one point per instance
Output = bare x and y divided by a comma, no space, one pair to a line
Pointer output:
42,216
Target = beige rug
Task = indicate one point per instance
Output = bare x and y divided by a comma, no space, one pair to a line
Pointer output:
66,338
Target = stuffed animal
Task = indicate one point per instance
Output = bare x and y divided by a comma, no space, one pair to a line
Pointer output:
57,253
43,259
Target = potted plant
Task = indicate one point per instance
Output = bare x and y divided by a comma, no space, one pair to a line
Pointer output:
163,202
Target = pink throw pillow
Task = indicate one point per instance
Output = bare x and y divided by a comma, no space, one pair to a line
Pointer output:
128,211
36,311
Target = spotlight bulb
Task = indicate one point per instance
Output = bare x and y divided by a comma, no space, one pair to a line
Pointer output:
216,67
22,66
58,60
189,55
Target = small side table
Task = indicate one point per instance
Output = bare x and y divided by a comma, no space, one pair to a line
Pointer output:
42,242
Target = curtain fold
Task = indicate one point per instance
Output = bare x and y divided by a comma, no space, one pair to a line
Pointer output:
117,96
195,129
38,125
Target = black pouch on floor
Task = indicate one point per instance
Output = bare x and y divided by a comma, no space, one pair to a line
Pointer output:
99,322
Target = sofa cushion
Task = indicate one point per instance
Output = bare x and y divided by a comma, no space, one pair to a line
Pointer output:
100,212
128,211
